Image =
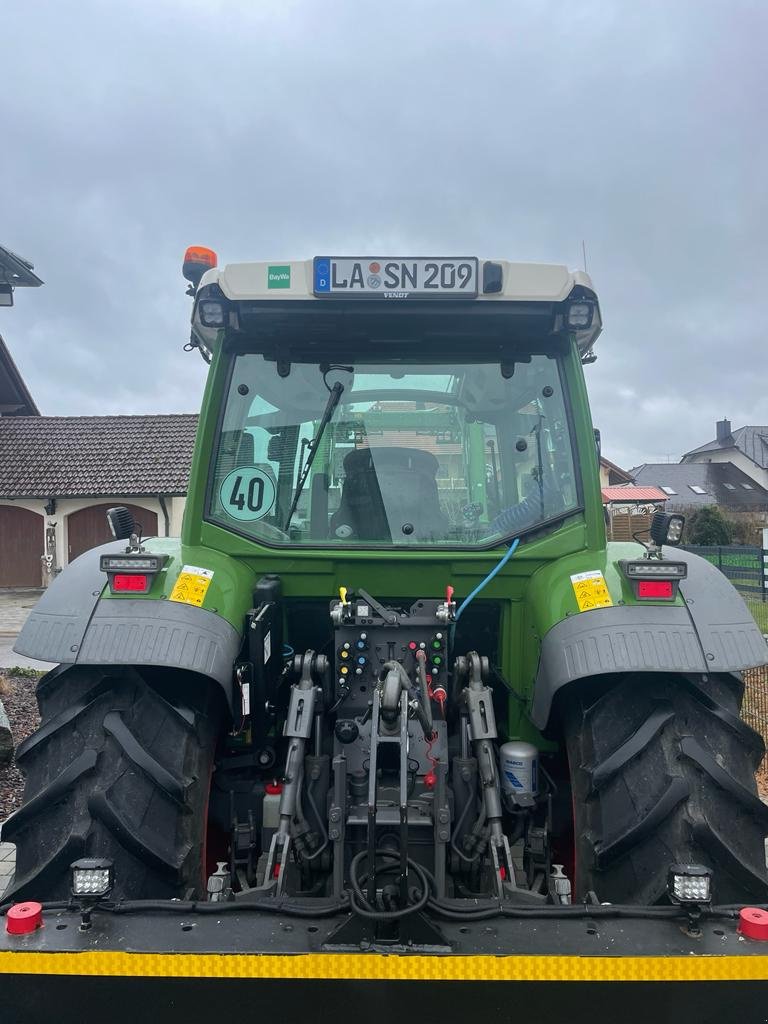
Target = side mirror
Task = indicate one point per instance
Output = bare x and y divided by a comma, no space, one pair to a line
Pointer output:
598,443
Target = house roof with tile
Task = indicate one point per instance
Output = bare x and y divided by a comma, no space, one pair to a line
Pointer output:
703,483
94,456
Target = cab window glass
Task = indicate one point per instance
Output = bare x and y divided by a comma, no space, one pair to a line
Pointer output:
414,455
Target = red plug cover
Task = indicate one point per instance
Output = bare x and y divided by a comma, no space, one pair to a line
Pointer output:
753,923
23,918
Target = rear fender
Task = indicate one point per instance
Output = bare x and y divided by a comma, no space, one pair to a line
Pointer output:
712,630
71,625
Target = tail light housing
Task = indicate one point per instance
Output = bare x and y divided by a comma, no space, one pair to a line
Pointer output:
654,579
131,573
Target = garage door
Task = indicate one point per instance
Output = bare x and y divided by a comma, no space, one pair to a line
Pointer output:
21,545
88,528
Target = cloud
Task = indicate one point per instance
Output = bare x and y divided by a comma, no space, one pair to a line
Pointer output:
509,129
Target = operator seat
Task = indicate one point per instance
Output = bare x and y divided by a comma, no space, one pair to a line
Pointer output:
389,494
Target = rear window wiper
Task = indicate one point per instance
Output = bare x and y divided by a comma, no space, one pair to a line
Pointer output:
333,400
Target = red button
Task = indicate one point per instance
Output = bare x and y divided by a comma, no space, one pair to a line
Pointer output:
23,918
753,923
273,788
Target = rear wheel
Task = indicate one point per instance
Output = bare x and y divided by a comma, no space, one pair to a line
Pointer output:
117,769
662,772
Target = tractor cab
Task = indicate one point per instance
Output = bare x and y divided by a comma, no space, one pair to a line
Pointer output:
394,403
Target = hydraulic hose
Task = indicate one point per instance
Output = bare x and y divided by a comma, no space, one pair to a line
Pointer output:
421,671
324,844
358,903
494,571
289,907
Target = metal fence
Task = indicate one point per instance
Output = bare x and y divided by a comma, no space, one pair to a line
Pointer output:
754,710
746,567
743,565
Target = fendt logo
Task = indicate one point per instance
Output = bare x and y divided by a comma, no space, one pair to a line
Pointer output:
278,277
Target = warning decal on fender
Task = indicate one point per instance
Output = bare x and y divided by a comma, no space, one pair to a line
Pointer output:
191,585
591,590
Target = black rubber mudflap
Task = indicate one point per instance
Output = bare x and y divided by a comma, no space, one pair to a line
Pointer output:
663,773
119,770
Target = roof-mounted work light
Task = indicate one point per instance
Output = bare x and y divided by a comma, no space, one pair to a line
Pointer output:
580,314
211,313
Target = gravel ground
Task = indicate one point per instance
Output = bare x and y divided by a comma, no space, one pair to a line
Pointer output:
18,697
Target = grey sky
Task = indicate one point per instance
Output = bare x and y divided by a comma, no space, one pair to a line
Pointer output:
504,128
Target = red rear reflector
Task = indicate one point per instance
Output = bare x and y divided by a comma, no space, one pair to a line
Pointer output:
133,582
655,588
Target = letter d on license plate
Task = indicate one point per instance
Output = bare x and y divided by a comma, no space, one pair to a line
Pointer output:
395,278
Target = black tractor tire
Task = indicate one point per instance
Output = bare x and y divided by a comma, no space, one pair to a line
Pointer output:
117,769
663,772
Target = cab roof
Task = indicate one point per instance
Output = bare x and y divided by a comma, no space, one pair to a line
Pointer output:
273,299
293,279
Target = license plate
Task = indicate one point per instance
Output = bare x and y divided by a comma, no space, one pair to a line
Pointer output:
389,278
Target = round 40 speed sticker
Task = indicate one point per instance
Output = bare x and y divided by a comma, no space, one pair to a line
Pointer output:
247,494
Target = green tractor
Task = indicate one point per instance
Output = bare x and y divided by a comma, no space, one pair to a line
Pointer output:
392,680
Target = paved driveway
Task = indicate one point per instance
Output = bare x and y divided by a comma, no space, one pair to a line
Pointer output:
15,606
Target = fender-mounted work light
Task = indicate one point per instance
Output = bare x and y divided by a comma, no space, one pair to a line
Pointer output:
666,528
198,259
120,522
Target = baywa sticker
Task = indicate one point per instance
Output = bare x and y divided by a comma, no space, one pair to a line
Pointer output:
591,590
191,585
247,494
279,277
